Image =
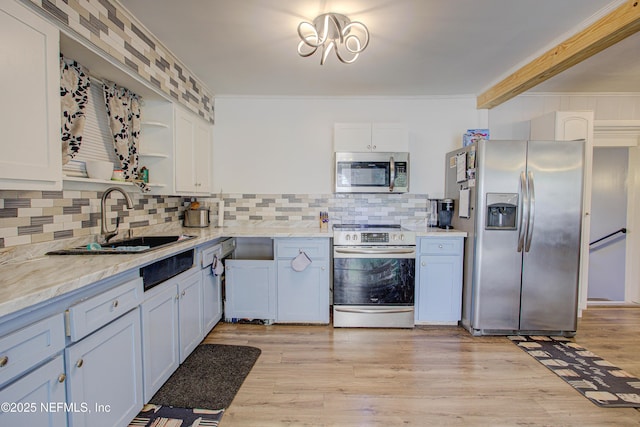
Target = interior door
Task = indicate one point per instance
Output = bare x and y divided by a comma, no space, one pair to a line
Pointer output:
608,214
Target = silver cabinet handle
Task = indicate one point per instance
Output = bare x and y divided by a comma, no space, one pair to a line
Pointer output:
374,147
79,363
61,378
424,264
440,246
4,361
184,293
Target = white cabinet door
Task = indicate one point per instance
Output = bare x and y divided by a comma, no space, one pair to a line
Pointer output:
250,289
389,137
211,300
160,344
190,313
439,280
303,296
104,370
352,137
440,294
202,160
192,153
30,109
364,137
36,398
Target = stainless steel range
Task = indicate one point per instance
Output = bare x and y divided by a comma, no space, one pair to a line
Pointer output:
373,276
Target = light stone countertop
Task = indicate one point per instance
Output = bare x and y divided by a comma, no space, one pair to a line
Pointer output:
37,278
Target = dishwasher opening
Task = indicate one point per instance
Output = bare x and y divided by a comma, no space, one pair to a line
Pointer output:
164,269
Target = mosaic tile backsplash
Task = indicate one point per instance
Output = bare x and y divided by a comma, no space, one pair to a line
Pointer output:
117,32
40,216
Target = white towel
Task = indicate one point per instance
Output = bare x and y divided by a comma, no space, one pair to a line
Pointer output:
217,268
300,262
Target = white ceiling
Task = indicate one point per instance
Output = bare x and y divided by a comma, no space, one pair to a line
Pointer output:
417,47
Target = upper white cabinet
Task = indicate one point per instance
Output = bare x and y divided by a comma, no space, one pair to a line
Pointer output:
192,138
359,137
30,108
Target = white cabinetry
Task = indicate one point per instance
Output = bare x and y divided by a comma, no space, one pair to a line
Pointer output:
30,108
105,372
172,322
302,296
190,312
439,280
250,291
569,126
104,368
192,138
381,137
43,387
37,351
160,337
211,300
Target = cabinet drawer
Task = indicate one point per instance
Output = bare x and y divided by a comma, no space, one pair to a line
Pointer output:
441,246
314,248
29,346
90,315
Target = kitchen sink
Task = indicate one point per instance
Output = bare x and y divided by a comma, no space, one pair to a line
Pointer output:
134,245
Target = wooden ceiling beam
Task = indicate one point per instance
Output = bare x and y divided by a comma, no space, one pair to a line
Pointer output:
606,31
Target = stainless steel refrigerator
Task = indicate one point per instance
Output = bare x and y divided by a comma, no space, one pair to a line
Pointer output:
521,204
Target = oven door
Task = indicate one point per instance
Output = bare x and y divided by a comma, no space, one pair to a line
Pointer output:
373,287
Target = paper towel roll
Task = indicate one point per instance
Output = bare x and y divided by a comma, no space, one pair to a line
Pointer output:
220,213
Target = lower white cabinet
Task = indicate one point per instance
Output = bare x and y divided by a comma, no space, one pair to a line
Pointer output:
160,337
104,373
250,289
172,327
211,300
38,398
439,280
303,296
190,313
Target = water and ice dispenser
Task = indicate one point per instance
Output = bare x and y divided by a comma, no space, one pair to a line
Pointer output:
502,211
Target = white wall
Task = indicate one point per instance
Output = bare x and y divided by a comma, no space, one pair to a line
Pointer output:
285,145
511,119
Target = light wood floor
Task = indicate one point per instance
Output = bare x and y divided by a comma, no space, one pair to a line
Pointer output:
428,376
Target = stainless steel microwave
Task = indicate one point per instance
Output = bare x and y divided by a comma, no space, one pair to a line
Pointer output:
371,172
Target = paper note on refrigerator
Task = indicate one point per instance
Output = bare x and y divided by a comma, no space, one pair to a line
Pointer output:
461,167
463,208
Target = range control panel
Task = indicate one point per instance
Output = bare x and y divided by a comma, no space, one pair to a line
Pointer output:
374,237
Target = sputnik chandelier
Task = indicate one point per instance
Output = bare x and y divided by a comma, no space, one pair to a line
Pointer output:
333,31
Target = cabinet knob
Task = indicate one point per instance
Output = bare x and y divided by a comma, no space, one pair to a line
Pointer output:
368,147
440,246
374,147
115,304
177,297
61,378
423,264
3,361
79,363
322,268
184,293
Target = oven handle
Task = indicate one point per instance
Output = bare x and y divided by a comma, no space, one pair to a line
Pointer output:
369,251
372,310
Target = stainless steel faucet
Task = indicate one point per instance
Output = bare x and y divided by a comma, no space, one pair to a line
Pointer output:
106,234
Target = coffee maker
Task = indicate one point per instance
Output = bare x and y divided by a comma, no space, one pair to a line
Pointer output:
445,213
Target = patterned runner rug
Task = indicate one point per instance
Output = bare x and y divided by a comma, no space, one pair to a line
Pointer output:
598,380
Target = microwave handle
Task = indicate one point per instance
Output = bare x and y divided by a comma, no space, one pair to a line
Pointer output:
392,173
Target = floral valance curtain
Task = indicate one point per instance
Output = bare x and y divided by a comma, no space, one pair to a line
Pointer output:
123,108
74,94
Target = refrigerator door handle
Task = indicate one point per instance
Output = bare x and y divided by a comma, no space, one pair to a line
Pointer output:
532,211
522,202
